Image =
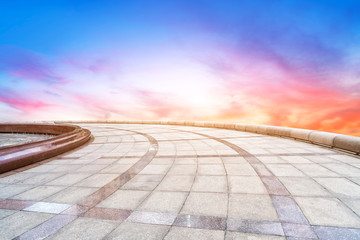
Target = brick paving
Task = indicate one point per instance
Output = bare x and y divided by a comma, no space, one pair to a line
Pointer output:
176,182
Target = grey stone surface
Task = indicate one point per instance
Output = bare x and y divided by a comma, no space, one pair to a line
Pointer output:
246,184
12,190
6,212
259,227
164,202
304,186
200,180
20,222
138,231
251,206
39,193
179,233
124,199
327,212
206,204
176,183
210,184
287,210
250,236
340,187
85,228
299,231
334,233
71,195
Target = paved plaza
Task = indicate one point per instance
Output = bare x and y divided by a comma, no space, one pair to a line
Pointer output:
174,182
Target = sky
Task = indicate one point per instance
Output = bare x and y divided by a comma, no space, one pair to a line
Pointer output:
293,63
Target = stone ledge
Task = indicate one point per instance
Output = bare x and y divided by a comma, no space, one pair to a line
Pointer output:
332,140
16,156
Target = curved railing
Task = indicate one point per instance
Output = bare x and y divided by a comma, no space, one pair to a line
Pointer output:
332,140
16,156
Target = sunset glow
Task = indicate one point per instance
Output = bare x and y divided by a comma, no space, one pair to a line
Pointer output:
283,63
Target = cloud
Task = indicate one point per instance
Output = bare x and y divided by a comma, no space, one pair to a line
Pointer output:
26,104
26,64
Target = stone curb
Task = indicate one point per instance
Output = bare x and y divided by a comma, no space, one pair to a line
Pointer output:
332,140
16,156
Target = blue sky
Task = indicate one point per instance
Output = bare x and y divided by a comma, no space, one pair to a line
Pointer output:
287,63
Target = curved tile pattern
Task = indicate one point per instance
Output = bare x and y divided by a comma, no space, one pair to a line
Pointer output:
142,181
332,140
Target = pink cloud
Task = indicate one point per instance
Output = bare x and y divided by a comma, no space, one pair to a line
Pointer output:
25,104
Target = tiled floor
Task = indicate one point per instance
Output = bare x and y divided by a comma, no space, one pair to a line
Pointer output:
176,182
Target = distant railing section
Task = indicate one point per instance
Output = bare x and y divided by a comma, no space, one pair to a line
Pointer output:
15,156
332,140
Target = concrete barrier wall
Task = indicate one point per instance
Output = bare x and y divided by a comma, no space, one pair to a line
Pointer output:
332,140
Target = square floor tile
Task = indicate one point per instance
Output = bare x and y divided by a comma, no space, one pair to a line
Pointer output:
66,168
85,228
343,169
211,169
162,161
315,170
281,170
91,168
143,182
47,207
176,183
127,161
240,169
17,177
327,211
251,206
42,178
321,159
183,169
21,222
71,195
39,193
207,204
68,179
298,230
267,160
340,186
147,178
97,180
44,168
124,199
6,212
160,218
204,222
336,233
304,186
116,168
234,160
155,169
295,159
164,202
12,190
140,185
250,236
210,184
210,160
138,231
246,184
180,233
255,227
182,160
354,204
